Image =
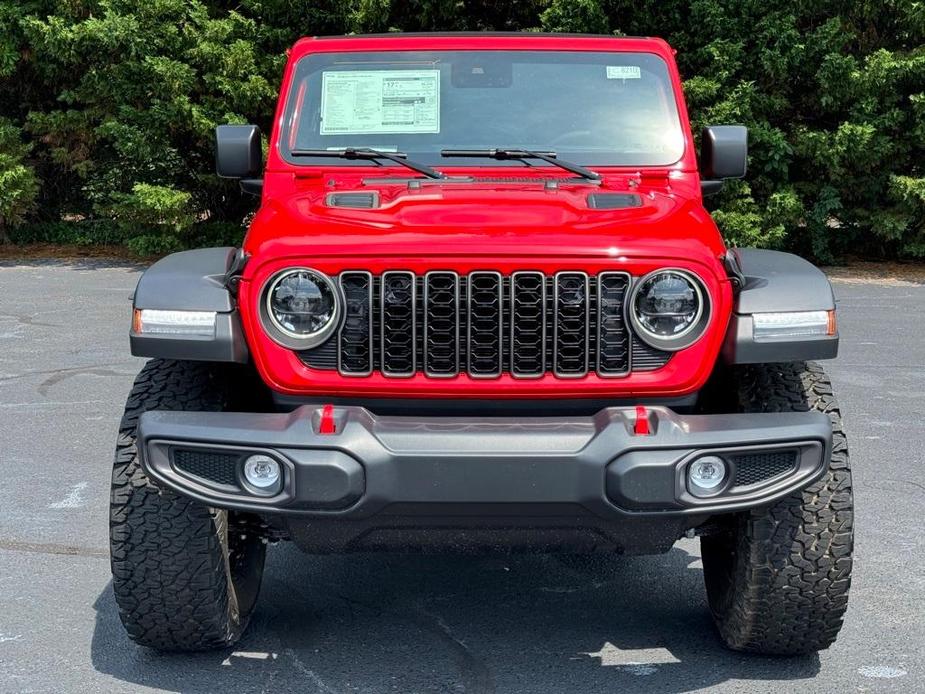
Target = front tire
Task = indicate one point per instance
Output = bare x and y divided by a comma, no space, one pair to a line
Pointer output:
777,578
185,578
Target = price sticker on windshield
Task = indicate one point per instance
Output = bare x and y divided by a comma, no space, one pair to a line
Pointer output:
623,72
360,102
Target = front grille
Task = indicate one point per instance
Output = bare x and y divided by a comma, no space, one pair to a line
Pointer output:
485,324
752,468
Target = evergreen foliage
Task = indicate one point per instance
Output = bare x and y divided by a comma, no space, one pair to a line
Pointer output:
107,107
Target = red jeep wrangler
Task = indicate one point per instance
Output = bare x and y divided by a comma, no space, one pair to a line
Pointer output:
482,307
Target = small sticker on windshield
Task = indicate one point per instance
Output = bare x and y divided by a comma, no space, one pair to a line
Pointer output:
623,72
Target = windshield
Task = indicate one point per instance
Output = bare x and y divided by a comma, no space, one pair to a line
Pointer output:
603,109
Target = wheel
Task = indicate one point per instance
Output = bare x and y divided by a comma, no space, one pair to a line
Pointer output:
777,579
185,578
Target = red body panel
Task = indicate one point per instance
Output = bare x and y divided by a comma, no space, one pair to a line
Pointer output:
484,226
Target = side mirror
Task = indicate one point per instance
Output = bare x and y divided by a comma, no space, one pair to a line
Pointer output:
239,154
723,154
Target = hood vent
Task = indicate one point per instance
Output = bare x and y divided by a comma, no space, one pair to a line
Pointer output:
613,201
359,201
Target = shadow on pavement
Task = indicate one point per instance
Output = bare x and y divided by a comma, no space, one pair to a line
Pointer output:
402,623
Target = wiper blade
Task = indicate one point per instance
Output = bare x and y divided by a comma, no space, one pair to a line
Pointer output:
501,154
369,154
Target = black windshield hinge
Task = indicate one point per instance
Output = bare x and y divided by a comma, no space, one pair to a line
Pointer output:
235,270
734,271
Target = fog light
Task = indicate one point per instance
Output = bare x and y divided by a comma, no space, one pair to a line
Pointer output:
262,472
706,474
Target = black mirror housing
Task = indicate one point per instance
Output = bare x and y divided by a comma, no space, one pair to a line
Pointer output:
238,151
723,152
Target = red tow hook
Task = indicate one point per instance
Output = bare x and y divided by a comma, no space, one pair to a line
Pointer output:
327,425
641,427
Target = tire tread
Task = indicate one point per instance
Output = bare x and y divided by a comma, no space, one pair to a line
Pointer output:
784,589
168,553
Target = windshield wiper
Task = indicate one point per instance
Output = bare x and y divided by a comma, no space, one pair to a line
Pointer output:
369,154
501,154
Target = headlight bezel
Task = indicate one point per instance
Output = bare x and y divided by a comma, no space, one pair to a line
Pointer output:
691,333
282,335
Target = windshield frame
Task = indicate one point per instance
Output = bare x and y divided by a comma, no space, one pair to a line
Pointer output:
281,160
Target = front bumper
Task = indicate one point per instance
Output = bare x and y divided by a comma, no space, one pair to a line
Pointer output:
376,479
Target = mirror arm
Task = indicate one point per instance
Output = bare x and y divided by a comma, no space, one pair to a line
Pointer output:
710,187
252,186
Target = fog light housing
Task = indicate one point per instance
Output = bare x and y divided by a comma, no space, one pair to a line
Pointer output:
705,475
262,473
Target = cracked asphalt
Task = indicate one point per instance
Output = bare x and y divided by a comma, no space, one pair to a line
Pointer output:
397,623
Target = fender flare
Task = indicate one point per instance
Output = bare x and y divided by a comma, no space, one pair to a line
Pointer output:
196,280
776,282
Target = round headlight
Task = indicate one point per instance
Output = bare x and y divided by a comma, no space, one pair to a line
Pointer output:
301,308
668,309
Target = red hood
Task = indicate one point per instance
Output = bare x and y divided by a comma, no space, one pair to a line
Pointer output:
485,218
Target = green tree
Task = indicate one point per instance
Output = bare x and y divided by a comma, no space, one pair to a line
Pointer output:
18,184
112,104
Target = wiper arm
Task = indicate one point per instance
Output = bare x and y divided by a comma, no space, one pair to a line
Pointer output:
369,154
501,154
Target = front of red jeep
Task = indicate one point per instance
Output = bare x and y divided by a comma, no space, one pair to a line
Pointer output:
481,307
506,278
485,298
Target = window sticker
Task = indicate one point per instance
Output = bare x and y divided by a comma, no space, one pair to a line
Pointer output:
623,72
380,101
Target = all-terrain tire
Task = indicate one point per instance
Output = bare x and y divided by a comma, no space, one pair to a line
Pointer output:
777,580
182,581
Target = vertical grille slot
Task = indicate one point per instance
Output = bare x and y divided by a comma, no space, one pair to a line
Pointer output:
613,341
441,324
528,324
399,334
571,324
485,326
355,340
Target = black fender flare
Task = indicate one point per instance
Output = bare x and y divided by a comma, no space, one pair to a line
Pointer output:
197,280
776,282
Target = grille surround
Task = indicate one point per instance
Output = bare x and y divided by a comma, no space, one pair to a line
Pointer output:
354,325
517,335
390,325
571,325
432,319
513,329
485,334
618,314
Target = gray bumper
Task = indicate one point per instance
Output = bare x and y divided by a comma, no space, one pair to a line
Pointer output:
429,467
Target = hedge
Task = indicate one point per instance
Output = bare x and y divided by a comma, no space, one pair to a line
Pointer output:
107,107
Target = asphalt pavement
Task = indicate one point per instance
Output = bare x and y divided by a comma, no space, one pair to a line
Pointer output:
399,623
